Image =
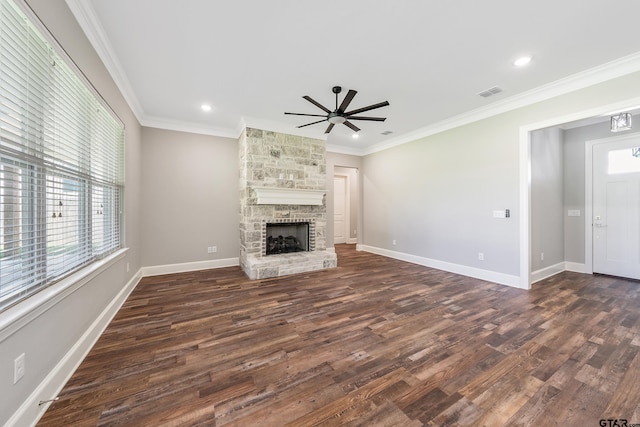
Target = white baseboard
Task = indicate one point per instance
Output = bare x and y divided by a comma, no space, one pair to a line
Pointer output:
189,266
552,270
53,383
491,276
547,272
30,411
576,267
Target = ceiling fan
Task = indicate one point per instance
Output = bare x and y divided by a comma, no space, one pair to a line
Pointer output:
340,114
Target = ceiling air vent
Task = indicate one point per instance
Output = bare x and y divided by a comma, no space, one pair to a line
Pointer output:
491,91
387,132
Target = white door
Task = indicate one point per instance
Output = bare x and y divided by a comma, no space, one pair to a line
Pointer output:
339,209
616,208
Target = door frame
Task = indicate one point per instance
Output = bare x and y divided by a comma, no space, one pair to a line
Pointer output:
525,179
588,203
347,205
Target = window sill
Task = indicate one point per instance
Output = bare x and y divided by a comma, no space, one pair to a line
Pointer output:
16,317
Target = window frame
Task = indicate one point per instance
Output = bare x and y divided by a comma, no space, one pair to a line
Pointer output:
44,171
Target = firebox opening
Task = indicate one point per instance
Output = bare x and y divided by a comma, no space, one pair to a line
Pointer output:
283,238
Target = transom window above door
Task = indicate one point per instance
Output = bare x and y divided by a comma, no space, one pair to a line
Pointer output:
624,161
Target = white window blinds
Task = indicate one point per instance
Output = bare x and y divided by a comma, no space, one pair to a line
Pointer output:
61,164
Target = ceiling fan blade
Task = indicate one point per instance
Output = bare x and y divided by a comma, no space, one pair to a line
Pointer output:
372,119
316,103
304,114
351,126
331,125
309,124
363,109
347,100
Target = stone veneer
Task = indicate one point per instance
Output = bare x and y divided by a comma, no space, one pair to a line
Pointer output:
275,160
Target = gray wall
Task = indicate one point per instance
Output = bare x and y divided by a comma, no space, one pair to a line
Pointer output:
547,198
435,196
46,339
189,197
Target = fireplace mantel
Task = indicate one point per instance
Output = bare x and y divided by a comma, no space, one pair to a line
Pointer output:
288,196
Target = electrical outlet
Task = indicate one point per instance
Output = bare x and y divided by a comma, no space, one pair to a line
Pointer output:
128,266
541,256
480,256
355,232
18,368
394,242
212,249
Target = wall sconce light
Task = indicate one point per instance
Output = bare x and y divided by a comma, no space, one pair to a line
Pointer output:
621,122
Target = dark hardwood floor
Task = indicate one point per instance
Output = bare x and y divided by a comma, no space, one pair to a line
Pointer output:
374,342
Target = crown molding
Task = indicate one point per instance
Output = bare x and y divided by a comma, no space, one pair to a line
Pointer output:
273,126
602,73
343,149
183,126
90,24
86,17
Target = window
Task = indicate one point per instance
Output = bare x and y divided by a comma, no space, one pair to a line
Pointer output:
61,164
624,161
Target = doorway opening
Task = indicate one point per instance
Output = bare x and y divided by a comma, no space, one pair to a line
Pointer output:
345,205
572,213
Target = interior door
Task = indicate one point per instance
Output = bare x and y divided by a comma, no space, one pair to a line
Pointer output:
339,209
616,208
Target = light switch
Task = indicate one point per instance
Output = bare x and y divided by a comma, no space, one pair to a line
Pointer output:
499,214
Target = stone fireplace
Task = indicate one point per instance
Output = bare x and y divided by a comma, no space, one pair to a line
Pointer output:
282,182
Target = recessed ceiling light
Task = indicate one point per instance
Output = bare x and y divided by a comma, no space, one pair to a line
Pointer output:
205,107
522,61
355,136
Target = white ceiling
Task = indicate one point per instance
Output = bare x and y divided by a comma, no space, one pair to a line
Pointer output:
253,60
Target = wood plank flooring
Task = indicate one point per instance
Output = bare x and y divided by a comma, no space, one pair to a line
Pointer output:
374,342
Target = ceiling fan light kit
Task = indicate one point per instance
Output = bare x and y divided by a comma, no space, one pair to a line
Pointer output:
340,115
335,119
